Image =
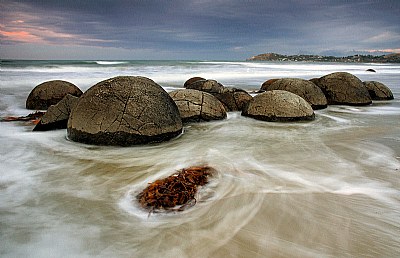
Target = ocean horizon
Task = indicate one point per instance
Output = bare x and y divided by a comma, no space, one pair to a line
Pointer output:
323,188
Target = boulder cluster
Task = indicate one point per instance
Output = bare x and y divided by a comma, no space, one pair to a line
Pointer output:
129,110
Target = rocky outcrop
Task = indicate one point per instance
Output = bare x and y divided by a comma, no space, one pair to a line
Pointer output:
124,111
378,91
192,80
195,106
278,106
303,88
57,115
50,93
343,88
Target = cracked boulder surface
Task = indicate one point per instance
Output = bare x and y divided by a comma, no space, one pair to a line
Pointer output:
233,99
279,106
50,93
305,89
378,90
124,111
57,115
343,88
210,86
196,106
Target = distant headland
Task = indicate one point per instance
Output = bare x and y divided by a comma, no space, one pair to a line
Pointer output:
390,58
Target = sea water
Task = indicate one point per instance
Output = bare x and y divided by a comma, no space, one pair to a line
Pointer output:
326,188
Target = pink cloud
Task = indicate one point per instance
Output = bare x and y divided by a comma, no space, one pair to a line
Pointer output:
388,50
21,36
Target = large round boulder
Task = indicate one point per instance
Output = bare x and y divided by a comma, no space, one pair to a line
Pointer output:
279,105
124,111
343,88
233,99
50,93
378,91
267,83
195,106
305,89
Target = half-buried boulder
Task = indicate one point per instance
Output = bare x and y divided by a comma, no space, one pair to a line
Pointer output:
210,86
233,99
195,106
50,93
278,106
305,89
124,111
57,115
378,91
343,88
192,80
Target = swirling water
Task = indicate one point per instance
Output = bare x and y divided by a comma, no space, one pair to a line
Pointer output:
326,188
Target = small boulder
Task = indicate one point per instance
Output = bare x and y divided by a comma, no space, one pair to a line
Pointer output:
378,91
124,110
279,106
233,99
305,89
343,88
57,115
210,86
195,106
50,93
371,70
267,83
192,80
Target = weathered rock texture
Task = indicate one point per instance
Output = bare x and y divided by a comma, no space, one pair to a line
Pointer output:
197,105
192,80
343,88
50,93
57,115
305,89
124,111
279,105
378,91
232,98
267,83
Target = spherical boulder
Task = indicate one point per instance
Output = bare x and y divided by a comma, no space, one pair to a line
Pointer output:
210,86
124,110
49,93
278,106
342,88
305,89
192,80
233,99
267,83
195,106
378,91
57,115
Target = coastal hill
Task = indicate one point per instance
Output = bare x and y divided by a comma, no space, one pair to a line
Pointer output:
390,58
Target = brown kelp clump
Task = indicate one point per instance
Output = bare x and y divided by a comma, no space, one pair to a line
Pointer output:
176,190
33,117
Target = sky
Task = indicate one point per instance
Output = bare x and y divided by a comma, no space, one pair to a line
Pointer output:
195,29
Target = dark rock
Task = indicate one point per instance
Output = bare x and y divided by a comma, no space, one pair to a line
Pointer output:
124,111
279,105
267,83
57,115
192,80
343,88
233,99
50,93
371,70
210,86
195,106
305,89
378,91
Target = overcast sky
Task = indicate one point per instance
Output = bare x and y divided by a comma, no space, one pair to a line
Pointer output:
189,29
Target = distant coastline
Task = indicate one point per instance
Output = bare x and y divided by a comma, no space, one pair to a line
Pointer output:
390,58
